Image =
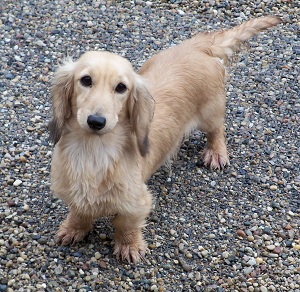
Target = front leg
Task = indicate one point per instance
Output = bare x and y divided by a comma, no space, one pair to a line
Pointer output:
74,228
129,242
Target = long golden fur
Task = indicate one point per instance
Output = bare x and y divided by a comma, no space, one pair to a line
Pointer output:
113,127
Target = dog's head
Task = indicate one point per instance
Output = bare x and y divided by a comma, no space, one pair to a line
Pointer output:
98,90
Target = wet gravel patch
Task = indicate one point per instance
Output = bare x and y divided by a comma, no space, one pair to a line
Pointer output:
234,230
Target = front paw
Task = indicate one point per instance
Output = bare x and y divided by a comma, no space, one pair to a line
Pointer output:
74,228
68,235
133,253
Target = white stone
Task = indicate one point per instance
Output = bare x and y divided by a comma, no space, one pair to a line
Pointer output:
17,182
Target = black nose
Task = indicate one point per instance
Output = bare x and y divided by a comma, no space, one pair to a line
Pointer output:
96,122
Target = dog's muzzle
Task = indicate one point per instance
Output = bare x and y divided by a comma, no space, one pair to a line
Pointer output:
96,122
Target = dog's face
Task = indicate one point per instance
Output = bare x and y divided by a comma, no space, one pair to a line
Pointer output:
102,84
99,90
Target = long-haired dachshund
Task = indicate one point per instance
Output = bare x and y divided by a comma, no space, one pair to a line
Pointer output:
113,127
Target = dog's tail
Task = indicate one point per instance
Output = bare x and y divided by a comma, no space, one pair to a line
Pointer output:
225,43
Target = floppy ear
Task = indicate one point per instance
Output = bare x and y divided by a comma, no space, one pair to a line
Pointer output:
61,92
141,109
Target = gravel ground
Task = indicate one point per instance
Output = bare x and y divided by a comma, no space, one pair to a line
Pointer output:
234,230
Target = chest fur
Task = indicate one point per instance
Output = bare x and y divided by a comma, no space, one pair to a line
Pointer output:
93,177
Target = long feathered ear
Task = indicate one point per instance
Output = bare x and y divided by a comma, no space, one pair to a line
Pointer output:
141,109
61,92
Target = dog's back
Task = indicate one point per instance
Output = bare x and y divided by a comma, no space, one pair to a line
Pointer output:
187,83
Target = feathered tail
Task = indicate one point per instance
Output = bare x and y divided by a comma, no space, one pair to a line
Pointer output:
224,43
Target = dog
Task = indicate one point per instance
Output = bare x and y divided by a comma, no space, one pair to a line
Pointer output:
112,128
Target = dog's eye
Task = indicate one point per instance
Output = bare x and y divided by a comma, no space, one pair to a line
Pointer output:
86,81
121,88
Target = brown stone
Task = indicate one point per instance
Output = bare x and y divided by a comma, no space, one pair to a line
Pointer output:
241,233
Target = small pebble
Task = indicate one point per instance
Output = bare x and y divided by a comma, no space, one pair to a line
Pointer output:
225,254
20,260
17,182
186,267
252,261
58,270
296,247
241,233
277,250
263,289
3,288
102,264
250,238
211,236
26,207
102,236
270,247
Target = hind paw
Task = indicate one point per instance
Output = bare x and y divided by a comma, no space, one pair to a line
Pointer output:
214,160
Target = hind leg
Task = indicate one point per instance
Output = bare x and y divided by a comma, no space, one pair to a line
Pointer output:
211,121
215,153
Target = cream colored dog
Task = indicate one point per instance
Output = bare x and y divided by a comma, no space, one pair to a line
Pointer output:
113,128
